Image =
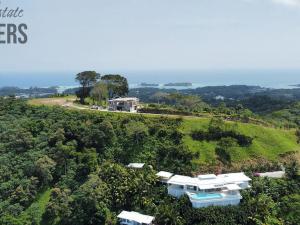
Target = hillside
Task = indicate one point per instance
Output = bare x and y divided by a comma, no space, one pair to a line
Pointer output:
64,165
268,143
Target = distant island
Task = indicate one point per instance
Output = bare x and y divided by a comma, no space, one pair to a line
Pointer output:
149,85
295,85
185,84
28,92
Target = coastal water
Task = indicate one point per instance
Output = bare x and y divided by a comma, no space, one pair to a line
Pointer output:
200,78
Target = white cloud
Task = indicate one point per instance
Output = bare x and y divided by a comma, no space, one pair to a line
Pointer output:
288,2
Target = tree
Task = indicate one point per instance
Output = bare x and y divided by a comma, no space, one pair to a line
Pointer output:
159,96
44,168
100,92
168,216
216,125
137,131
58,208
290,209
223,149
90,203
86,79
298,135
291,169
261,209
117,85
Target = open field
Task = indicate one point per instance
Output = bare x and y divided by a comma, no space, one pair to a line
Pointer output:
268,142
53,101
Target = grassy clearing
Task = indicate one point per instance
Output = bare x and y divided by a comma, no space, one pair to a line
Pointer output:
36,210
268,143
59,101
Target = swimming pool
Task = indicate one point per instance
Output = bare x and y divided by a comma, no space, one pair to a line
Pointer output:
206,196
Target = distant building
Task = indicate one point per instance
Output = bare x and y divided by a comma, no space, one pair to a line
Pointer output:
219,97
207,190
123,104
135,218
136,165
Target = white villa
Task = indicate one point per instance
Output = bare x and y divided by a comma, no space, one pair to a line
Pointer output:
123,104
135,218
207,190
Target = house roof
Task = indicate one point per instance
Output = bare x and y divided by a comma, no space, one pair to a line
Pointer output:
136,165
183,180
207,176
218,181
234,177
124,99
135,216
164,174
233,187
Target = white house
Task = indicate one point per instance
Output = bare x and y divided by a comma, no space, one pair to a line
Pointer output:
123,104
206,190
164,176
135,218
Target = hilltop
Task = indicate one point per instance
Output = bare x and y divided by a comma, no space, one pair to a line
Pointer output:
270,144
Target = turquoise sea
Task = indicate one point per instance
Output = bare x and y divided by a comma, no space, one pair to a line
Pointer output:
199,78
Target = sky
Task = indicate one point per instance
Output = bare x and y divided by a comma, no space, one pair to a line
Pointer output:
116,35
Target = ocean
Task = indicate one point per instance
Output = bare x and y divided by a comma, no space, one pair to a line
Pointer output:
199,78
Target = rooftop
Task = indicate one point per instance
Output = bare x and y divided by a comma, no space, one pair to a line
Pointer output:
207,176
164,174
125,99
210,181
233,187
136,165
135,216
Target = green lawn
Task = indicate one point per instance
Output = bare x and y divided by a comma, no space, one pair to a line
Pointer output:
268,142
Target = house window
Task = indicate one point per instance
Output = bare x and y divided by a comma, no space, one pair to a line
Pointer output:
192,188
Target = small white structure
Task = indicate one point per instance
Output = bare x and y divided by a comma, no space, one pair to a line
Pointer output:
209,189
136,165
275,174
164,176
135,218
123,104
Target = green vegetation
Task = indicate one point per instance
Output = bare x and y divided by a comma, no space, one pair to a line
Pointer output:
100,88
63,167
87,80
268,143
36,210
288,117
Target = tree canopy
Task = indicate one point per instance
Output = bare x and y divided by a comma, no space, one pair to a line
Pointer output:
86,79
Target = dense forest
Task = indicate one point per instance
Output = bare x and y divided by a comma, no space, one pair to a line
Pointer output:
60,166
